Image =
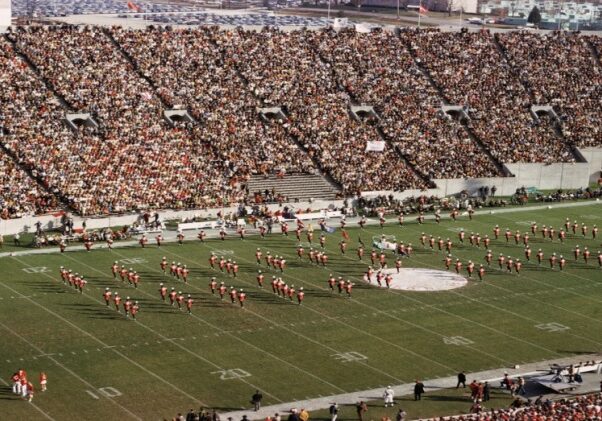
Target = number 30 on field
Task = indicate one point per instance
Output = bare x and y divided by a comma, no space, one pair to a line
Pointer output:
106,392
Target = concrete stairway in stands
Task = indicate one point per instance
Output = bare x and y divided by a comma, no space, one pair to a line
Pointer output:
299,187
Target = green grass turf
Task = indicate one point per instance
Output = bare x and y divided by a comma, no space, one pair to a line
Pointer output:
168,361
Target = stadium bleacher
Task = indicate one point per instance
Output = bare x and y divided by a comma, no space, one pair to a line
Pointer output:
126,79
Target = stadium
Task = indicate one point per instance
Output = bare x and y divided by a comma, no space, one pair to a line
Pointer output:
298,210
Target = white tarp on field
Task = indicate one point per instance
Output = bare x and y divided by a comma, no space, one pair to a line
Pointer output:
420,279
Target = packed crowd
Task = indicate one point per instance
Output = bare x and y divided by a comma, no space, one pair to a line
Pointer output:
472,72
561,70
133,159
586,407
26,116
377,69
19,195
188,68
283,70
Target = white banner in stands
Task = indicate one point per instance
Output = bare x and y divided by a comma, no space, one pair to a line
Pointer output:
375,146
5,14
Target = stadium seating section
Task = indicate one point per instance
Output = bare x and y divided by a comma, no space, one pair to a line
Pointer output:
133,158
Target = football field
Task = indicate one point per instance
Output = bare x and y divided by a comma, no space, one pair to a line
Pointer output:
102,365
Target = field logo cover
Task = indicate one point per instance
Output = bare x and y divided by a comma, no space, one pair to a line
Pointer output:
421,279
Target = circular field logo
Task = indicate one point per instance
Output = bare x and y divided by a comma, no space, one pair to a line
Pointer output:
420,279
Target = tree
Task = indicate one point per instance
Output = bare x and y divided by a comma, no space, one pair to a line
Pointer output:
534,16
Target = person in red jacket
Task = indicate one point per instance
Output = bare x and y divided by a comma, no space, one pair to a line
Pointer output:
242,298
300,295
107,296
134,309
117,301
162,291
189,302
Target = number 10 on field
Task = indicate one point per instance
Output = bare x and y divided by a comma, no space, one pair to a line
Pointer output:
104,392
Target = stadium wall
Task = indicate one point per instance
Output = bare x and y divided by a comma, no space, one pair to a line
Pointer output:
593,156
553,176
49,222
5,14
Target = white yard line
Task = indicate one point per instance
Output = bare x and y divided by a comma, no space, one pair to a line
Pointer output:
404,389
37,408
86,333
67,369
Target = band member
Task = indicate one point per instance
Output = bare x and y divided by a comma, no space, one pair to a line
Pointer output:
517,266
162,291
586,254
489,257
107,296
458,266
481,272
172,296
213,285
222,290
189,302
331,282
258,255
562,262
242,297
300,295
528,253
116,301
447,261
470,268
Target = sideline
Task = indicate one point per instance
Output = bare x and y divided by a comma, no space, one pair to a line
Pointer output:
405,389
170,236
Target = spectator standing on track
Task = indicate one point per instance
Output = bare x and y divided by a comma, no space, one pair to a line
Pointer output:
361,409
486,391
418,390
334,410
190,416
401,415
461,380
256,400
